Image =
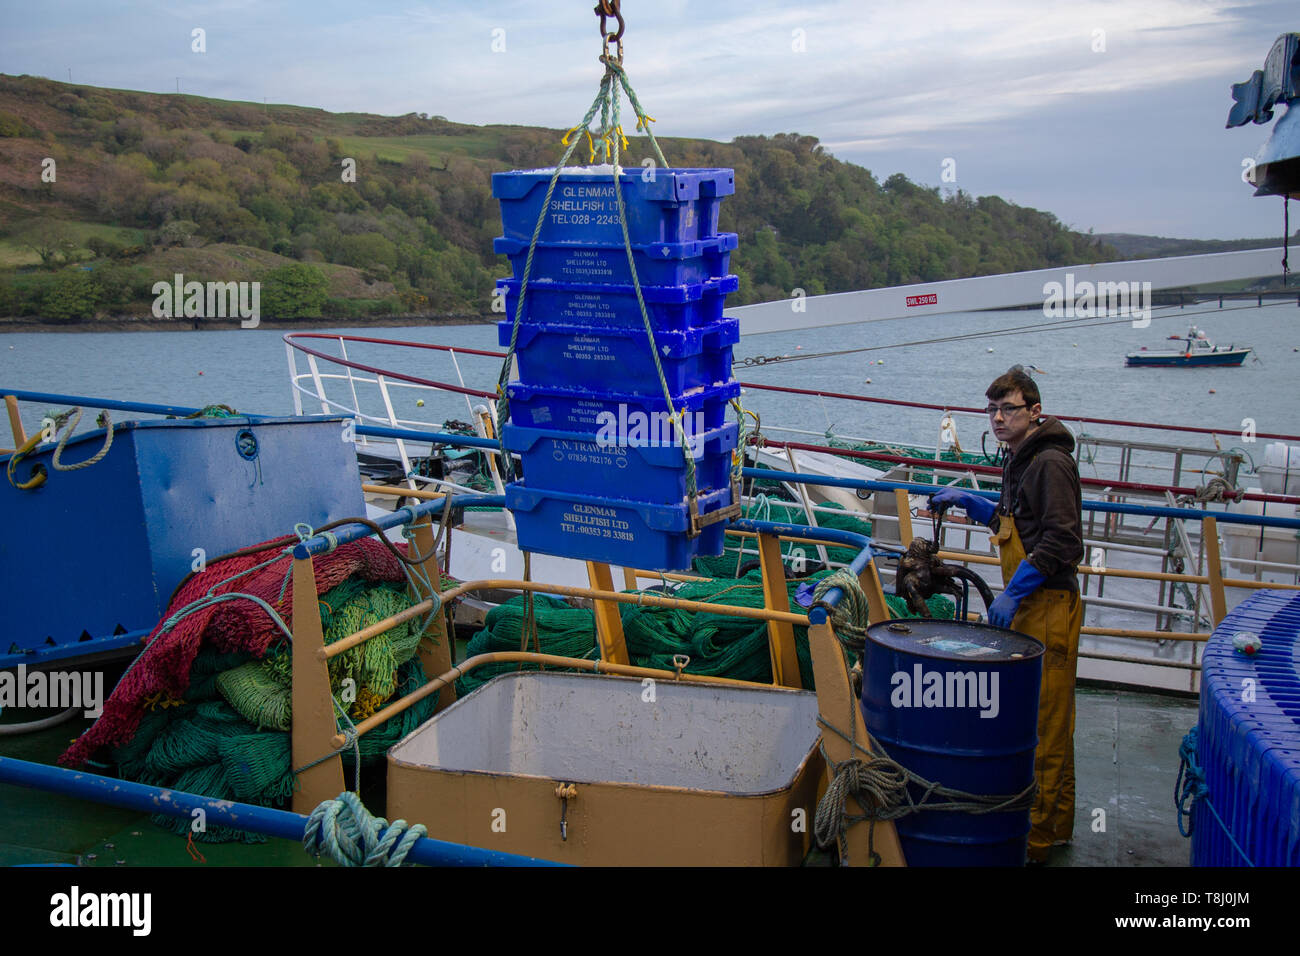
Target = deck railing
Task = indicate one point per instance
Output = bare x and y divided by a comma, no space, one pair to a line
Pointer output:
1143,467
1207,581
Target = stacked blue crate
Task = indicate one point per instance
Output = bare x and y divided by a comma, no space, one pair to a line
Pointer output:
605,475
1249,739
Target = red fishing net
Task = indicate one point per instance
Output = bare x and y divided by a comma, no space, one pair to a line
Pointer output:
163,670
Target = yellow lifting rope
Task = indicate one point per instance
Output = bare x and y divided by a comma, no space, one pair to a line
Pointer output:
38,473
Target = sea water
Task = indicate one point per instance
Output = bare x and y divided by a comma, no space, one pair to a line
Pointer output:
1081,371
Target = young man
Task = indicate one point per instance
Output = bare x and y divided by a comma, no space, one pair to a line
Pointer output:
1038,526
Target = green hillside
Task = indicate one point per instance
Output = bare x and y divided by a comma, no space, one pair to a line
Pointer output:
1132,246
145,183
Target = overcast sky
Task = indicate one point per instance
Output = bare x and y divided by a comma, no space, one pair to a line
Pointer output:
1108,114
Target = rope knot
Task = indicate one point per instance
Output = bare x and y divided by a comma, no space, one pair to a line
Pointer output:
850,617
877,784
351,836
1216,489
1190,785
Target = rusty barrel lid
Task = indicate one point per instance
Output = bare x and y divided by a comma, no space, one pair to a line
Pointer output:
953,640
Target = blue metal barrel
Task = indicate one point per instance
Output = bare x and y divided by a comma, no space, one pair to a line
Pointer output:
956,704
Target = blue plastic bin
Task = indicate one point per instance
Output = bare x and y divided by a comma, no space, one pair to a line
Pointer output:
676,205
1250,748
593,358
643,467
670,308
579,410
661,263
614,530
167,493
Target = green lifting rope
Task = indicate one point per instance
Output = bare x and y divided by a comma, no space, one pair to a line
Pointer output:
605,142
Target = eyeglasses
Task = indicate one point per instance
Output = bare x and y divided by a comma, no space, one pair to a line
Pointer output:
1006,410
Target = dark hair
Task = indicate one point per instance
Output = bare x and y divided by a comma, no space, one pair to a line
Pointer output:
1012,380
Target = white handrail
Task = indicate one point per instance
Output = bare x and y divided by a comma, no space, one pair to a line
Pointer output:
392,421
293,379
351,384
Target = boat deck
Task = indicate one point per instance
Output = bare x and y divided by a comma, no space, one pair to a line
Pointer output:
40,827
1126,747
1126,763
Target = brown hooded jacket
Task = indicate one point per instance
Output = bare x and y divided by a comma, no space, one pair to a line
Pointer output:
1040,488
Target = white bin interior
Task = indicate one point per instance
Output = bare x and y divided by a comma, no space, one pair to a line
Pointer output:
596,728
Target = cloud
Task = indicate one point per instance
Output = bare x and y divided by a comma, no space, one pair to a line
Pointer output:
878,83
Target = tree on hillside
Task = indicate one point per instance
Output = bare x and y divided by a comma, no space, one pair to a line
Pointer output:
73,297
52,241
271,179
295,291
177,232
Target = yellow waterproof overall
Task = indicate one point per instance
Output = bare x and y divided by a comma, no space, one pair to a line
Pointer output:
1054,617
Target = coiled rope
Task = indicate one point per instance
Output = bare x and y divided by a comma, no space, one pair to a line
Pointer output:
850,617
59,421
1190,786
351,836
104,421
889,791
1216,489
884,788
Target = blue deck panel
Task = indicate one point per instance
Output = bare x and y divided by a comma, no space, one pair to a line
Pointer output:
168,493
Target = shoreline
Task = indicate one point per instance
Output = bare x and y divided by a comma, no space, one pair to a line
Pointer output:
128,323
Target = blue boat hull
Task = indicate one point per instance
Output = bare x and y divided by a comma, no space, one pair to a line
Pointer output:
1181,360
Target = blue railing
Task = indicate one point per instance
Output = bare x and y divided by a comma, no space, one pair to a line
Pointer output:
1105,507
325,542
240,816
467,441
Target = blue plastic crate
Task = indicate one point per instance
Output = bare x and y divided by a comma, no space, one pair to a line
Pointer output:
670,308
676,205
580,410
580,356
166,489
660,263
622,466
614,530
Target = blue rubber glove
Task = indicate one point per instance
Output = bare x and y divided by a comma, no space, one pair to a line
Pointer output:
1023,583
981,509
